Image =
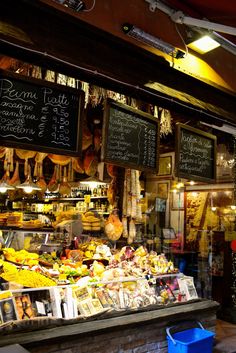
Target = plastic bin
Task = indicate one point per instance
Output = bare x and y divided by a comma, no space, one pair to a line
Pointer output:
194,340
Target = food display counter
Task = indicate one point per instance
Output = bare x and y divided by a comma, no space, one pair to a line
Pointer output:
141,331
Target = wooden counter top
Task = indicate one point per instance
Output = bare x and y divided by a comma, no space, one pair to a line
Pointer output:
69,331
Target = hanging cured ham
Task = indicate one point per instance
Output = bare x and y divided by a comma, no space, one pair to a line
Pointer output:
41,181
97,137
65,188
90,162
111,192
87,138
15,180
26,155
53,183
111,170
58,159
77,165
113,226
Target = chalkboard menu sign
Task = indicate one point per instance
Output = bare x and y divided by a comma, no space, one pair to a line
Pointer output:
130,137
39,115
195,154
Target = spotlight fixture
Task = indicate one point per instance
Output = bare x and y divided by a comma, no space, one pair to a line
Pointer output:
76,5
152,41
197,24
203,44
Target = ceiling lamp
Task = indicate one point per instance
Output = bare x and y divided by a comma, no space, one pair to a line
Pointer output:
4,183
93,182
152,41
28,186
203,45
4,186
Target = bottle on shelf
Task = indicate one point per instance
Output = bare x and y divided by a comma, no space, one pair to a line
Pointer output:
63,252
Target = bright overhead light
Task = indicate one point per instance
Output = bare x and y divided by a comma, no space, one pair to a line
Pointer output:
4,186
203,45
28,186
4,183
197,24
149,39
93,182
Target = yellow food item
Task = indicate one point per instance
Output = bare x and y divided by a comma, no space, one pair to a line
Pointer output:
9,270
98,268
28,278
113,227
141,251
88,254
21,257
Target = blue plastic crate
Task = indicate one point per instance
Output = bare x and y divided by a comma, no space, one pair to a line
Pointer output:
194,340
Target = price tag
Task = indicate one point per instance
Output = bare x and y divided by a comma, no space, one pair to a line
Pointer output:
87,198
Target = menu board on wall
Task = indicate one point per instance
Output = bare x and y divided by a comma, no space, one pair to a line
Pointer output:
40,115
130,137
195,154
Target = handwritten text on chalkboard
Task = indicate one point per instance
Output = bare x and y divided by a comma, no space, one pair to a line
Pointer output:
131,137
40,114
195,157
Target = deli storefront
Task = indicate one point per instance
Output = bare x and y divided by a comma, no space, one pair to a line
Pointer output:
114,198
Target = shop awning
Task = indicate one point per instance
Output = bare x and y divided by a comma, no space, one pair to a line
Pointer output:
46,35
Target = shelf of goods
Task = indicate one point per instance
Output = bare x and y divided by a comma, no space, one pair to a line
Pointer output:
93,279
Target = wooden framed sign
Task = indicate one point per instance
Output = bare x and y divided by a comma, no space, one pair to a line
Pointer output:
195,154
40,115
130,137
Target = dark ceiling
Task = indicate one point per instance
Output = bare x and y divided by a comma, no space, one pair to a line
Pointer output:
82,50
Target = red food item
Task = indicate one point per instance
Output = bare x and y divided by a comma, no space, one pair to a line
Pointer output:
77,165
233,245
15,180
87,138
111,192
112,170
41,182
90,162
59,159
97,138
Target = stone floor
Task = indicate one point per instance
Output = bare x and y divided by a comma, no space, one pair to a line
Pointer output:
225,337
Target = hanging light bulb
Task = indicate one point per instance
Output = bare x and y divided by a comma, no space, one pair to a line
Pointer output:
93,182
28,186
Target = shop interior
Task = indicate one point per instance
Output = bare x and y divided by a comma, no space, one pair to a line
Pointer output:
73,212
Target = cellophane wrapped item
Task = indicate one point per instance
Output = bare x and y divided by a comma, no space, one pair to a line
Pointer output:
131,208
